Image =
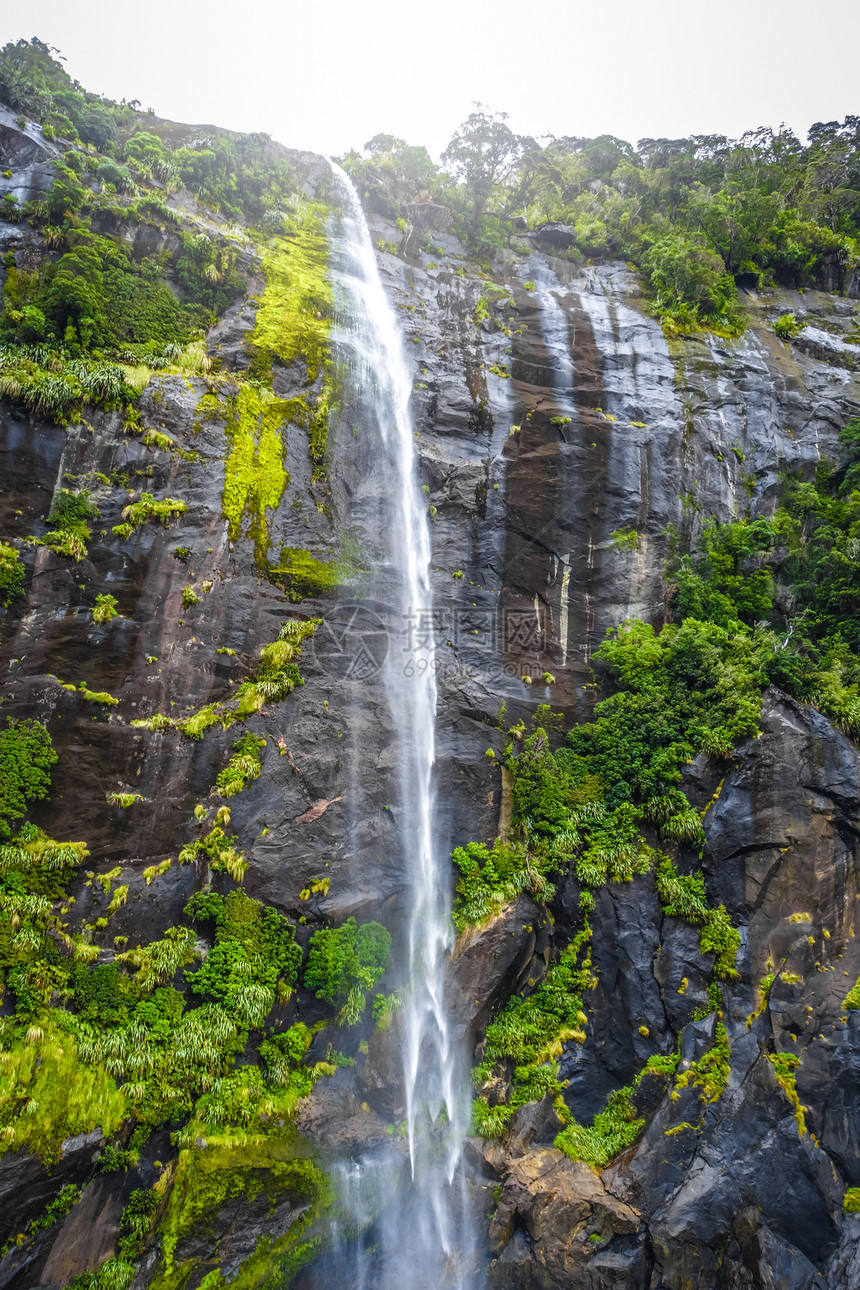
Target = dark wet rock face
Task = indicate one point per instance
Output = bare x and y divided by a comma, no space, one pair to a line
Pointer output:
543,432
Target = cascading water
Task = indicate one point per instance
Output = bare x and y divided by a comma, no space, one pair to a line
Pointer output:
421,1237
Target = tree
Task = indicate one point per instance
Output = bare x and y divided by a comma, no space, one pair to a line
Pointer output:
413,164
484,152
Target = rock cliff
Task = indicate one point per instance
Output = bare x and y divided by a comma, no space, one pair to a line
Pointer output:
551,416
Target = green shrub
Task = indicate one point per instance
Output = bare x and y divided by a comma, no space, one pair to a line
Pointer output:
147,508
71,513
11,574
254,955
26,754
243,767
105,609
612,1129
787,327
136,1221
491,877
347,960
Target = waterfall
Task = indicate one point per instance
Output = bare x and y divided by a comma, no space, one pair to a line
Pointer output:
422,1233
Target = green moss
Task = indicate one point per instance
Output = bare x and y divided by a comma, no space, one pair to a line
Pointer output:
294,317
785,1066
303,575
851,1201
205,1180
294,320
254,476
97,696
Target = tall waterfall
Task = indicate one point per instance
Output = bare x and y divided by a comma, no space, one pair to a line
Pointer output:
422,1232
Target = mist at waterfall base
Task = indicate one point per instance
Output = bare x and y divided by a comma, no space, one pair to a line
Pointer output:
404,1216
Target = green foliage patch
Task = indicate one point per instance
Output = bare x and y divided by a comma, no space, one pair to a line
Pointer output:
275,676
12,574
243,767
524,1043
344,962
71,514
26,755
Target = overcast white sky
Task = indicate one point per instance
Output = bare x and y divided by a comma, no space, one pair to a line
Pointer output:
328,76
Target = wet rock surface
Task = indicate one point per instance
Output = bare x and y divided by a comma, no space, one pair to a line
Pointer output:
562,420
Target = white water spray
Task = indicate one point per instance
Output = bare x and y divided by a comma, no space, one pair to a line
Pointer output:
424,1236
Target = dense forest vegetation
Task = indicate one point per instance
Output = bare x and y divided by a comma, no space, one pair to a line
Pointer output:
695,215
91,323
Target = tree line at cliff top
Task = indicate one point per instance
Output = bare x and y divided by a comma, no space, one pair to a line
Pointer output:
695,215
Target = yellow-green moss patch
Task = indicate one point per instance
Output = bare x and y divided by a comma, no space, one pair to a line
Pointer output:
47,1094
207,1178
254,477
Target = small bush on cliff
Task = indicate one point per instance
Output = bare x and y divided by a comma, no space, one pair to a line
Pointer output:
612,1129
71,514
347,961
26,755
11,574
147,510
243,767
490,877
254,951
104,610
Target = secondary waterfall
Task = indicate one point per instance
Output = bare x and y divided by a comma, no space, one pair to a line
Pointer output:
422,1232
